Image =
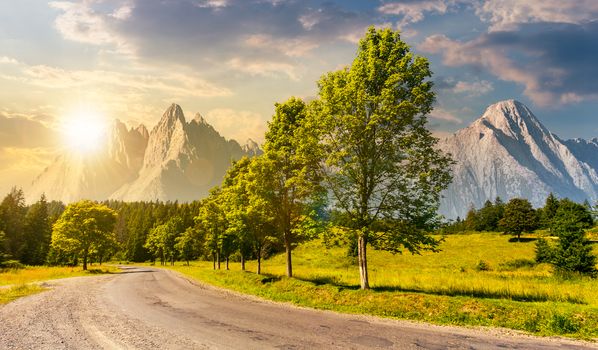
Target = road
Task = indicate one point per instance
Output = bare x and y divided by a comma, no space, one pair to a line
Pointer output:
146,308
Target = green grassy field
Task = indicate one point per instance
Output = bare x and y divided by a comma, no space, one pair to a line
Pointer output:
450,287
19,282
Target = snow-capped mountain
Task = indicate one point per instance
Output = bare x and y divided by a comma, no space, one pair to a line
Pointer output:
507,152
177,160
73,176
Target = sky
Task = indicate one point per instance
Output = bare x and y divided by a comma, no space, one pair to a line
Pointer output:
231,60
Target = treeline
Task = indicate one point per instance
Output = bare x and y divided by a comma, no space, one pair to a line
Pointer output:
26,230
518,216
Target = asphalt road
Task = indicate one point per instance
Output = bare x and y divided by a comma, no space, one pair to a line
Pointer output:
145,308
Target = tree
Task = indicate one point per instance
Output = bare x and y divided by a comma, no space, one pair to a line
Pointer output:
82,227
573,252
37,234
162,239
12,214
549,210
188,244
519,217
212,223
289,181
380,162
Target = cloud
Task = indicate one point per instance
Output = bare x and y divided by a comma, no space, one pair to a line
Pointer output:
551,61
8,60
473,88
23,132
264,68
175,84
79,22
21,165
509,14
442,114
414,10
237,125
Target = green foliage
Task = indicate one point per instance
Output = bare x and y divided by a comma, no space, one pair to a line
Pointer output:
482,265
381,164
12,217
188,245
519,216
544,251
83,227
573,252
549,211
37,234
212,224
162,240
288,183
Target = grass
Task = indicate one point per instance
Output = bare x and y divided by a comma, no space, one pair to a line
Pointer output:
31,274
16,283
443,288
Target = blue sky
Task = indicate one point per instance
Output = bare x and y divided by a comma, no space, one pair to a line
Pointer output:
231,60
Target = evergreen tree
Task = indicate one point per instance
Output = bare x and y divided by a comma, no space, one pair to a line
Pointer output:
573,252
12,215
549,211
38,234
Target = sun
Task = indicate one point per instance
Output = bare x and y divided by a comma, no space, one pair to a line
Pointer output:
84,133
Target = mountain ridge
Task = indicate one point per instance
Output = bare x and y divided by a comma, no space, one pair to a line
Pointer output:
176,160
508,152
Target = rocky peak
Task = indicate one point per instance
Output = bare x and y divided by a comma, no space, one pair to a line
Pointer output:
511,117
142,130
251,148
199,119
173,114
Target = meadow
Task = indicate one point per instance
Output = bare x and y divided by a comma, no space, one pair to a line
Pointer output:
16,283
478,279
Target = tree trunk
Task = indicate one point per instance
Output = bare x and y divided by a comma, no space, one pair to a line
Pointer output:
363,262
227,263
85,260
518,236
214,261
287,245
242,262
259,263
218,259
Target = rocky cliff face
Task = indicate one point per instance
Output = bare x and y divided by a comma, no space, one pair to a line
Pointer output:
507,152
177,160
74,176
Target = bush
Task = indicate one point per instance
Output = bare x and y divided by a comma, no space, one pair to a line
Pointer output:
12,264
482,266
544,251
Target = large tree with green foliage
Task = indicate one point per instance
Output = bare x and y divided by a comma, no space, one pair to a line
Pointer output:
519,216
381,164
548,211
288,180
83,227
162,239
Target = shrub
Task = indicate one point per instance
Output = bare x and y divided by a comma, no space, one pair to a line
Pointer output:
544,251
482,266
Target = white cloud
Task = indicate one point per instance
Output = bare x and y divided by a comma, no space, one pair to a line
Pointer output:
444,115
413,11
264,68
214,4
237,125
473,88
8,60
174,84
507,14
297,47
493,58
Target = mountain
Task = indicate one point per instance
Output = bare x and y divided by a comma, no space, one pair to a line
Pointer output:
183,160
73,176
508,153
177,160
